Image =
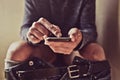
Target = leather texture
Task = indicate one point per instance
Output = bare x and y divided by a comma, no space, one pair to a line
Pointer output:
37,69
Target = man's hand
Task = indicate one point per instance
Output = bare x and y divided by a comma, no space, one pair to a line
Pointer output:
40,28
66,47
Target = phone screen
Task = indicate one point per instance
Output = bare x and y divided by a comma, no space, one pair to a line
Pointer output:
62,39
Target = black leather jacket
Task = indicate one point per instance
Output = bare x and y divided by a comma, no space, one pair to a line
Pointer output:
64,13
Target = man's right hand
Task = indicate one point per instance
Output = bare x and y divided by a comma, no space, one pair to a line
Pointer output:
41,28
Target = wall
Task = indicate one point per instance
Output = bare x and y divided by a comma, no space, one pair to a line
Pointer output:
119,24
108,30
11,14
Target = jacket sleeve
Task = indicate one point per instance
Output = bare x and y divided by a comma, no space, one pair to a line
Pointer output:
30,16
87,23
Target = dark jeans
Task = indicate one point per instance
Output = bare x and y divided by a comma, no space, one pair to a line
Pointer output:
102,74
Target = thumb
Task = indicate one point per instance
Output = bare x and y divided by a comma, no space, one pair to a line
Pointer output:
73,33
45,39
45,36
72,38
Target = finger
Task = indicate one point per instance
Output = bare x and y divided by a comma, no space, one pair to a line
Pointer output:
52,28
33,39
64,45
52,43
56,30
45,40
40,28
75,34
45,37
36,33
75,37
61,50
73,31
72,38
61,47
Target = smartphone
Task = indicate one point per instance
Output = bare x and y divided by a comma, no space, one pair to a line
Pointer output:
60,39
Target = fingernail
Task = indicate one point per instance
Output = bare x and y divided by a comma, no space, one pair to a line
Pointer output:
72,38
59,35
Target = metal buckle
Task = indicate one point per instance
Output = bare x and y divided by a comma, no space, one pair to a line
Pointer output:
70,72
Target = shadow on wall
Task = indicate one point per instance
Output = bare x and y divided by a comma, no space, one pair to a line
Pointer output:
108,31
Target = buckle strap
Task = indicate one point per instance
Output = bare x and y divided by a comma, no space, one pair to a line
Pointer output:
72,72
82,68
76,71
79,68
42,73
93,66
98,66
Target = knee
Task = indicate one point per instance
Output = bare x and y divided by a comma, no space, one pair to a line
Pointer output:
18,51
94,52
